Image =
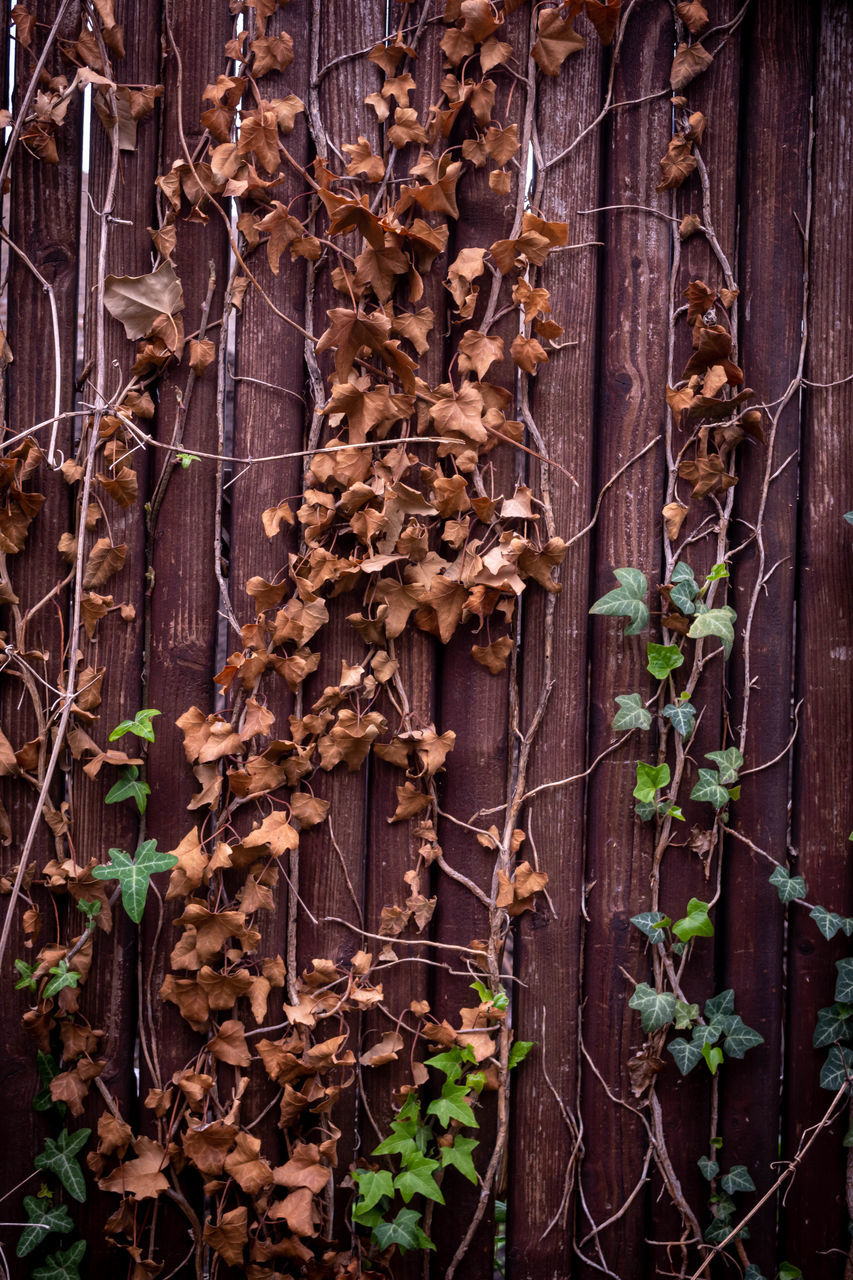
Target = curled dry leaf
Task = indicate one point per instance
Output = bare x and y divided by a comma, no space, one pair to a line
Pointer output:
137,301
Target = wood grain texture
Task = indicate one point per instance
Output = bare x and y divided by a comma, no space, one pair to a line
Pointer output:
816,1215
633,283
547,946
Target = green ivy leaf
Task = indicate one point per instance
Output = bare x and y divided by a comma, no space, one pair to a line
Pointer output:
626,601
450,1063
787,1270
134,875
663,659
844,985
717,571
59,1158
684,588
26,980
752,1273
645,811
708,789
373,1185
452,1106
460,1156
740,1038
713,1056
62,1265
837,1068
686,1055
405,1232
656,1008
187,459
43,1220
696,923
650,778
652,924
787,886
737,1179
685,1015
129,787
139,725
827,921
716,622
706,1033
722,1003
729,763
682,717
519,1052
63,977
631,714
708,1168
47,1069
416,1179
832,1025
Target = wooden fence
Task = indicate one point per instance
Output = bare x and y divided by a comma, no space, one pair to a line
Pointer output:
596,1177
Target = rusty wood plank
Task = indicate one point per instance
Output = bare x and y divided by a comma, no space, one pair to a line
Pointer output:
816,1214
547,947
634,287
183,601
775,139
44,222
118,645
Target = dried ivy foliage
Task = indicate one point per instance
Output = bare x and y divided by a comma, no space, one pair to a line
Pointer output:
406,511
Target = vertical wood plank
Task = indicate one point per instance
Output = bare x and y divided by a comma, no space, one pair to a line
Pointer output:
183,601
44,213
775,139
547,947
816,1214
630,411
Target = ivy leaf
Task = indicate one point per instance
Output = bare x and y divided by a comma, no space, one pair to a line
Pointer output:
129,787
708,1168
47,1069
631,714
645,811
652,924
740,1038
696,923
737,1179
134,876
685,1015
717,571
662,659
827,921
139,725
706,1033
59,1158
650,778
682,717
62,977
450,1063
713,1057
684,588
837,1068
372,1187
729,763
656,1008
415,1179
686,1055
722,1003
708,789
404,1232
519,1052
26,979
787,886
715,622
832,1025
844,985
787,1270
626,601
62,1265
452,1106
43,1220
460,1156
752,1273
